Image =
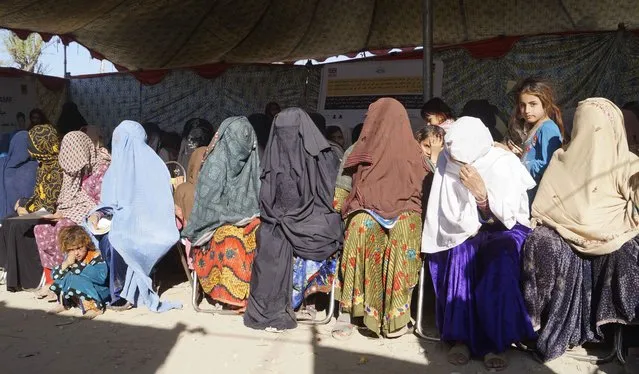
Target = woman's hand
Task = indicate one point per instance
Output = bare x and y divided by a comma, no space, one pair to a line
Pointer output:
21,211
471,179
68,261
93,220
54,217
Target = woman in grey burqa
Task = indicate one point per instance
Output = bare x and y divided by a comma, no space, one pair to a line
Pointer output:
298,219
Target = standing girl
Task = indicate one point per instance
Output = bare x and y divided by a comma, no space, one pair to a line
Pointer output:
536,129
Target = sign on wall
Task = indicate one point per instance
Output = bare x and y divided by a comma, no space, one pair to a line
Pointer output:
347,89
17,95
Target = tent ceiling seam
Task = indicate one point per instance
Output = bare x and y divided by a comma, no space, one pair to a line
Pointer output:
308,27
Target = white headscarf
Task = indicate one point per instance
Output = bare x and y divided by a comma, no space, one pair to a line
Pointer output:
451,214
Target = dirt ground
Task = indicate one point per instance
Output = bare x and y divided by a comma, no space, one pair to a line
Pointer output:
183,341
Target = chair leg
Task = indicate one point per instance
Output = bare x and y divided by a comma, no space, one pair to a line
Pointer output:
619,349
420,308
596,360
329,311
184,261
195,295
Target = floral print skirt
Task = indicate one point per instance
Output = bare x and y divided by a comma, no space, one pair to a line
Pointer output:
379,269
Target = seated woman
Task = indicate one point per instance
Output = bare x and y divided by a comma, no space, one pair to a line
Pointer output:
380,260
137,211
17,180
476,223
197,133
17,174
580,268
298,220
23,266
81,279
185,193
225,216
77,158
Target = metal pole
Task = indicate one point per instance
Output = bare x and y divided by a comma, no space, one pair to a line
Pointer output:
66,72
427,19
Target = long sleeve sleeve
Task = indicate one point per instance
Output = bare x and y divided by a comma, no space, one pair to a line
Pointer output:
548,141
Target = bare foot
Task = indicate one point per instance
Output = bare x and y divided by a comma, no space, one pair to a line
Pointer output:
91,314
59,308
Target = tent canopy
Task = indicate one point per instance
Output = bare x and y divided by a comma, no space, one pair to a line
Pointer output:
153,34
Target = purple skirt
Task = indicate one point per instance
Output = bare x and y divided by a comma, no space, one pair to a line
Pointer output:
478,299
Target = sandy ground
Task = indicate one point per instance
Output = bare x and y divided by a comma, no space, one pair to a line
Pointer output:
182,341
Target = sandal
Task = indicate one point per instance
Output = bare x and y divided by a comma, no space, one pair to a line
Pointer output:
459,355
306,314
397,333
121,308
342,330
495,362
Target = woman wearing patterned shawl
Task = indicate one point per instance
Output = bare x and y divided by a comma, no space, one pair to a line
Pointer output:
225,216
298,219
580,266
44,147
77,158
380,260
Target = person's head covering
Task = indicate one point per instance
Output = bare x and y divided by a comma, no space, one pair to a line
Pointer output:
77,155
297,215
388,164
197,133
261,124
70,119
345,179
589,191
44,147
319,121
451,214
18,173
185,193
631,122
228,186
136,189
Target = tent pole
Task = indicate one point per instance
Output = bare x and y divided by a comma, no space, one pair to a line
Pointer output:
427,24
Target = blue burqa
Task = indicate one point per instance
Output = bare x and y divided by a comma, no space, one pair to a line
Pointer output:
136,190
17,174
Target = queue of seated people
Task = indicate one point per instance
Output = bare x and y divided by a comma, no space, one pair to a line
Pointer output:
530,239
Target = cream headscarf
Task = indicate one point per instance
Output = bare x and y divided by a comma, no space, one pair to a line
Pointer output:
586,193
451,213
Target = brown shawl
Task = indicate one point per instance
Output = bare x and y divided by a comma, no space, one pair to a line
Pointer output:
388,166
185,193
587,194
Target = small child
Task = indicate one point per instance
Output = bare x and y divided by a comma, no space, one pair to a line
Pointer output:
431,140
81,280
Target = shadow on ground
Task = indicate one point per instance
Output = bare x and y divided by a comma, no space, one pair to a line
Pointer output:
32,341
